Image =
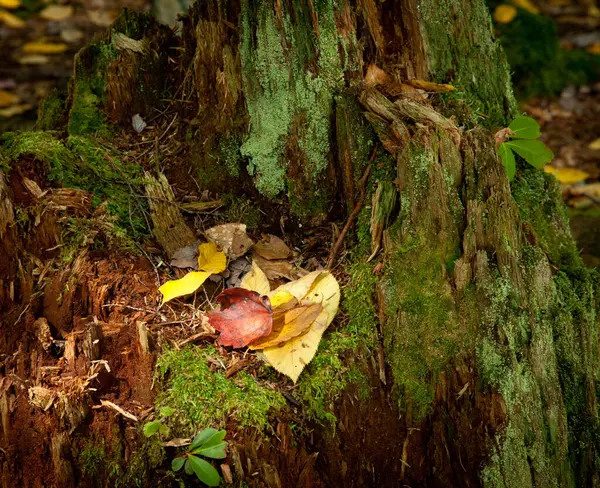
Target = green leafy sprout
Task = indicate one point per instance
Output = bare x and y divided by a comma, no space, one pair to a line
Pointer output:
523,135
208,443
157,426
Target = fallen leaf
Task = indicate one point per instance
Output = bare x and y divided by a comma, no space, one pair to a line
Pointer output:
11,20
71,35
594,48
14,110
375,76
7,98
280,298
504,14
232,238
276,268
138,123
567,176
34,59
594,145
38,47
430,87
183,286
210,259
291,357
125,43
289,324
319,287
57,12
590,190
243,317
256,280
526,5
236,269
186,257
272,247
101,18
10,3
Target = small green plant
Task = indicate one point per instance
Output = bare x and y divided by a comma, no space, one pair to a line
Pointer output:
157,426
521,137
208,443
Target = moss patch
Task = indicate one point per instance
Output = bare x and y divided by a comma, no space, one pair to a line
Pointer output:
203,398
80,162
471,59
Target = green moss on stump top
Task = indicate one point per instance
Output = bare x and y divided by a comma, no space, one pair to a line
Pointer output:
202,397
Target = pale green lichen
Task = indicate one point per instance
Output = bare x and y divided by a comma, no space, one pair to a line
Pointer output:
285,100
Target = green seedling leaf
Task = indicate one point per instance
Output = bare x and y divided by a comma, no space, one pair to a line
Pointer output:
525,128
188,467
508,160
166,411
177,463
205,471
164,430
213,452
534,152
151,428
215,439
202,437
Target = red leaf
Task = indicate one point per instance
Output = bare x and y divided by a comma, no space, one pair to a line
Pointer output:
243,317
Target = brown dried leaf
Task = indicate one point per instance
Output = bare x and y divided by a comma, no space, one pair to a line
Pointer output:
276,268
232,238
272,247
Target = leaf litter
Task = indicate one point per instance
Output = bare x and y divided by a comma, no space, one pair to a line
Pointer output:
282,323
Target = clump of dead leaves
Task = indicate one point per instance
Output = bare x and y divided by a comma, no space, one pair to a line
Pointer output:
284,324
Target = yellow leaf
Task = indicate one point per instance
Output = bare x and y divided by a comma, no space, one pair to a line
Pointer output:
257,281
595,145
11,20
44,48
318,287
280,297
291,357
10,3
184,286
504,14
526,5
7,98
567,176
289,324
14,110
210,259
57,12
430,87
594,48
298,288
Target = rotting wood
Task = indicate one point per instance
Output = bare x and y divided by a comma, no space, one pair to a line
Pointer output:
170,229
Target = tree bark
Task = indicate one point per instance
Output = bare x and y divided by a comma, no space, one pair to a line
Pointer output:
486,332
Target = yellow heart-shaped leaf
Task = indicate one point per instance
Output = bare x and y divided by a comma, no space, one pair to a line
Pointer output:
210,259
256,280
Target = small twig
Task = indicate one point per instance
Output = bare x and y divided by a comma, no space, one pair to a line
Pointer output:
124,413
340,240
196,337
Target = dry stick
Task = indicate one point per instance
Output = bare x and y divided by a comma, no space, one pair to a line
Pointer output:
340,240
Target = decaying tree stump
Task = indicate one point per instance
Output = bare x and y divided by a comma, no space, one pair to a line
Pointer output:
474,307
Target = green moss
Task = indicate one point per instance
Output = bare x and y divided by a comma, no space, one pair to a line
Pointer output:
92,458
471,59
335,367
88,91
539,64
540,203
242,210
52,111
204,398
80,162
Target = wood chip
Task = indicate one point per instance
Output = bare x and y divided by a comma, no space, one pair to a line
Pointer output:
116,408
